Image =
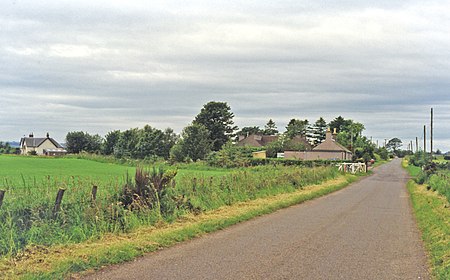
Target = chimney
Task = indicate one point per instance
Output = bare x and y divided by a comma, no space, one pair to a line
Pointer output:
334,134
328,136
48,135
31,135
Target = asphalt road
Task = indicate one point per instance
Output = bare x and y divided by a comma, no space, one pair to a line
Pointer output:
366,231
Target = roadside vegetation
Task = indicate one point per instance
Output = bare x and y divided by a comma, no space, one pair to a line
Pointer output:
429,191
150,198
124,202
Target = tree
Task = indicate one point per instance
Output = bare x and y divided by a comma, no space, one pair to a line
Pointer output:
94,143
218,120
110,142
76,141
393,145
168,141
339,124
5,148
149,143
126,144
296,127
318,131
249,130
270,128
194,144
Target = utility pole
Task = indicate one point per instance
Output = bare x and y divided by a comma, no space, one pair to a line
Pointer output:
431,135
425,141
417,144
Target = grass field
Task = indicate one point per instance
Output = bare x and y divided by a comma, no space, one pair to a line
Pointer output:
31,183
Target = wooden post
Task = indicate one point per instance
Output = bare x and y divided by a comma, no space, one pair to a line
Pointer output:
94,193
2,195
59,198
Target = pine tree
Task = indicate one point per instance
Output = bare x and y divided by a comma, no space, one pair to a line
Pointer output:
270,128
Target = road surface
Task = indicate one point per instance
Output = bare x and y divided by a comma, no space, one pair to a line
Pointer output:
365,231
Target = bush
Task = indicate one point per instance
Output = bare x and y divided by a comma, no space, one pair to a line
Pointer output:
148,189
421,178
230,156
440,183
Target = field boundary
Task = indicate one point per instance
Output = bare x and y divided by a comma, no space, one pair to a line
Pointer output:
432,214
73,260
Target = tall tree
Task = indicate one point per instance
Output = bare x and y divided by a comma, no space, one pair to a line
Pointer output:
126,145
339,124
318,131
170,138
218,120
270,128
149,143
77,141
194,144
296,127
110,141
394,145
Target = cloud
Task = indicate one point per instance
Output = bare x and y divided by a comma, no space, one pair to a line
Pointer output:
104,65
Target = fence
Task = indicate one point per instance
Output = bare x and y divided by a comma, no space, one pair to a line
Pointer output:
352,167
58,199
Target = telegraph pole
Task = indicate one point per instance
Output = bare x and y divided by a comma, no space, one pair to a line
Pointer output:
431,135
425,141
417,144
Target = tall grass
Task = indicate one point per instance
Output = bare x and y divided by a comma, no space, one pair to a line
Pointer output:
440,182
26,217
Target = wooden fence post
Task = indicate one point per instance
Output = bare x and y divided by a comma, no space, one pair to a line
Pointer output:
57,207
2,195
94,193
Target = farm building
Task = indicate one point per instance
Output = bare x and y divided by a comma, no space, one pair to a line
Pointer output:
41,146
329,149
263,140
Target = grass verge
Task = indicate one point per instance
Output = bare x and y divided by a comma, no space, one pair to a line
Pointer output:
433,217
58,262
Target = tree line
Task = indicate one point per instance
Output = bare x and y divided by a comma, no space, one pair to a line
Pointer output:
210,130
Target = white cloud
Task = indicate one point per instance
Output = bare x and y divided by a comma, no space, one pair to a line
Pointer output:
103,65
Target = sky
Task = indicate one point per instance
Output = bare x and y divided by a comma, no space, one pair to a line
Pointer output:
98,66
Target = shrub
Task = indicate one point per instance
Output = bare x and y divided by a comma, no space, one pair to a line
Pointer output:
148,189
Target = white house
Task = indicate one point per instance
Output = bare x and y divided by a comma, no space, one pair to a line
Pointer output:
41,146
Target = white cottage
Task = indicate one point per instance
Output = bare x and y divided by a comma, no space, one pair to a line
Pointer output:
41,146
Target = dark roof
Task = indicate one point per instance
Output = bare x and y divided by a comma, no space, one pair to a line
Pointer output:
262,140
257,140
36,142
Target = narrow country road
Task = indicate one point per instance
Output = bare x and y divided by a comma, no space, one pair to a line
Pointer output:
366,231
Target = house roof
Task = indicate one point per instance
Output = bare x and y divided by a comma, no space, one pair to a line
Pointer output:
262,140
257,140
330,145
34,142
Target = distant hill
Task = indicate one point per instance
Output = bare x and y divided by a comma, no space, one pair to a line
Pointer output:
14,144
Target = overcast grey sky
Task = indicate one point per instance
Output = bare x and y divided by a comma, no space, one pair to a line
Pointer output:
97,65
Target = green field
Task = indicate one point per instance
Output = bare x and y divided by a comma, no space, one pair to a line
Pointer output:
27,215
